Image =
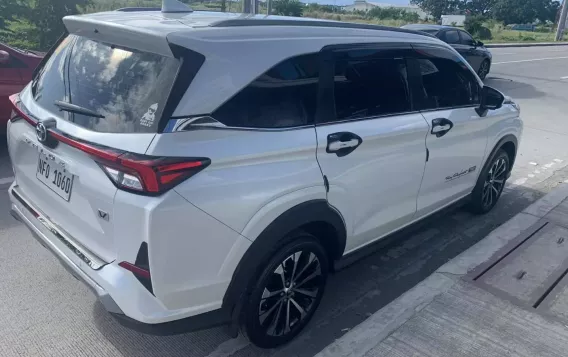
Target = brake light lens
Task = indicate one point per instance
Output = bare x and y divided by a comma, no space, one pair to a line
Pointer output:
17,112
136,173
148,174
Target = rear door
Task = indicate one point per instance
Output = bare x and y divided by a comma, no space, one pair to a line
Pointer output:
371,140
121,93
457,137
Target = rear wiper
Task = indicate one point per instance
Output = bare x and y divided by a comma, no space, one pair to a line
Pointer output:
68,107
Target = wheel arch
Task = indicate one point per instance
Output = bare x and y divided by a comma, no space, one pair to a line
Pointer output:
316,217
509,143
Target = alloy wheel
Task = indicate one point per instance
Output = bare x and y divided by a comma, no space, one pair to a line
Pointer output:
290,293
494,182
483,70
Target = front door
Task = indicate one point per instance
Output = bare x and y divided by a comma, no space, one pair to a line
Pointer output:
452,37
457,136
371,141
472,53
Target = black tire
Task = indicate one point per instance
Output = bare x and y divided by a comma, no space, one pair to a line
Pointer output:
483,70
266,316
490,183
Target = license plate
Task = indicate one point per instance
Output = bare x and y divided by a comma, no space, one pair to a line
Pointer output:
53,175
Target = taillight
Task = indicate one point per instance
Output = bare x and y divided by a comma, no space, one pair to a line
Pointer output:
17,112
148,174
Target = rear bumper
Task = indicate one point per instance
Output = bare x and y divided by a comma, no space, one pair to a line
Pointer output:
189,324
111,276
109,304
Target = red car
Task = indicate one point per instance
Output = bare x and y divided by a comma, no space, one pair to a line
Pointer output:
16,68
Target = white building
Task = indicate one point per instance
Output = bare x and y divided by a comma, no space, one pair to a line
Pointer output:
364,5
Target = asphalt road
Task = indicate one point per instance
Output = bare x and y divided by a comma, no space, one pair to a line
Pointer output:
45,312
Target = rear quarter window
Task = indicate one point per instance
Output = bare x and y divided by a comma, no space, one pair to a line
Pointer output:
284,96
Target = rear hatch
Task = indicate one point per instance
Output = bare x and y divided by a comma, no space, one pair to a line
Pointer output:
97,103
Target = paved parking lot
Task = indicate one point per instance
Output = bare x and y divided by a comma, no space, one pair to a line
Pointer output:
45,312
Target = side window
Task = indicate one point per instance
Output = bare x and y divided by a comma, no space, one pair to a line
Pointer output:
446,80
466,39
13,62
369,86
284,96
452,37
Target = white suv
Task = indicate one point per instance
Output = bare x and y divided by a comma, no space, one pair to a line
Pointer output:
198,168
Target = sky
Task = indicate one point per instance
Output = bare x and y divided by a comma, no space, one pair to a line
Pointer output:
349,2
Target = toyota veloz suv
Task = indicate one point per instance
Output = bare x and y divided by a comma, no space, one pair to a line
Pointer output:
198,169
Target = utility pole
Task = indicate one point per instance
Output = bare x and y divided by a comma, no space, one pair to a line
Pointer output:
250,7
562,21
268,7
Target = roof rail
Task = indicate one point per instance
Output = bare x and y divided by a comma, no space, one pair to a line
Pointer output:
135,9
311,23
173,6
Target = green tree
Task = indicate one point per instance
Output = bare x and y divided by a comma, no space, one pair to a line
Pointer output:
410,16
478,7
314,7
288,7
437,8
549,11
46,17
525,11
10,11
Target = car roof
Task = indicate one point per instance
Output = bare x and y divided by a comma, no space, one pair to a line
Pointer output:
420,27
257,42
154,21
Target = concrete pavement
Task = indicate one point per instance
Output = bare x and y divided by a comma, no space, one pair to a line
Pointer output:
504,296
45,312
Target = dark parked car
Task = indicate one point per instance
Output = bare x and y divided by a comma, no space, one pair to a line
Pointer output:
473,51
16,68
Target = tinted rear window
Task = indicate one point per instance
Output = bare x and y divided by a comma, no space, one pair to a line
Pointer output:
128,87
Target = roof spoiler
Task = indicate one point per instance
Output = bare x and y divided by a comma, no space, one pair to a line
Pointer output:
168,6
174,6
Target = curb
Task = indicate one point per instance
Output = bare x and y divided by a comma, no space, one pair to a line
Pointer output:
520,44
381,324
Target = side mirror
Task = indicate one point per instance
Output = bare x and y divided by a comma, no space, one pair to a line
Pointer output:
4,57
479,43
491,99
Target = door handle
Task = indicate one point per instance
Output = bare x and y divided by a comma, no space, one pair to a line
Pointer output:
441,126
342,143
338,145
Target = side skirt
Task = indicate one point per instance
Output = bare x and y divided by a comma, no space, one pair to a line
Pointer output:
395,237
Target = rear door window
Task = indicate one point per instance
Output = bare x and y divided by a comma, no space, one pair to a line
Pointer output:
452,37
128,88
368,83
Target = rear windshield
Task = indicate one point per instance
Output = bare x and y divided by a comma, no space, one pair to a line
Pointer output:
128,88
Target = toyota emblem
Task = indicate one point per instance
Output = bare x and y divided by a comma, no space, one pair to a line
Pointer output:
41,132
41,129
